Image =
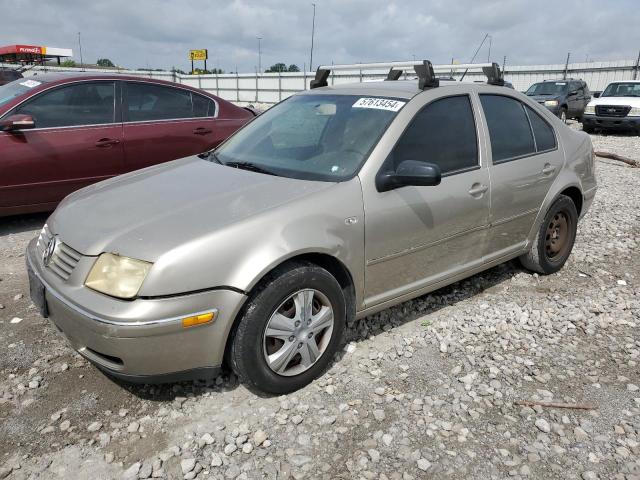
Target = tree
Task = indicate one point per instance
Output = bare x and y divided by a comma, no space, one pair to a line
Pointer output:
294,68
278,67
105,62
68,63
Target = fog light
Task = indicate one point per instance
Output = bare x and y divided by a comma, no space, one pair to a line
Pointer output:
200,319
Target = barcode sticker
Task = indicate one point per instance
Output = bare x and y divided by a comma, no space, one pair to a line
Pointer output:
379,104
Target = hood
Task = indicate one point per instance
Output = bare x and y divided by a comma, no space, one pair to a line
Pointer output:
146,213
543,98
632,101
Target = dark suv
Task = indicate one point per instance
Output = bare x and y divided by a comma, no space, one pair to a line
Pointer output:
8,75
565,98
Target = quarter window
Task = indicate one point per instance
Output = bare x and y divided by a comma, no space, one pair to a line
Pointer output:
509,128
148,102
443,133
86,103
543,133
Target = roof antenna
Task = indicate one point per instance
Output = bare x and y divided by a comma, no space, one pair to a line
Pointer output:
427,79
474,55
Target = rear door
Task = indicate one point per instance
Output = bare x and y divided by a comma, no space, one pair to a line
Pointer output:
526,161
163,123
77,141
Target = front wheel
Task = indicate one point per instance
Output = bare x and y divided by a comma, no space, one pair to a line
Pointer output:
290,329
563,114
555,238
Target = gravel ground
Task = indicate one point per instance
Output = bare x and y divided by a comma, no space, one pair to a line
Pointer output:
427,389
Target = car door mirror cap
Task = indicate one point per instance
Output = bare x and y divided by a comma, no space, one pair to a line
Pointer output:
17,122
409,173
596,94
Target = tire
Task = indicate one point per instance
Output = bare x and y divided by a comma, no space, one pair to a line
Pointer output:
562,115
549,254
276,303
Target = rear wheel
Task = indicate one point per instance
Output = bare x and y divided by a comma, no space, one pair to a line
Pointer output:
555,238
290,330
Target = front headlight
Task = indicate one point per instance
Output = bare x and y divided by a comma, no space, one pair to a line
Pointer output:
634,112
117,276
590,110
551,103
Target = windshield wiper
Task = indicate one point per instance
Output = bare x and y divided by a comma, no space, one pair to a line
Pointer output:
210,154
252,167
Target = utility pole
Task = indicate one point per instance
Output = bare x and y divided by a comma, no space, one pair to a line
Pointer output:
80,45
566,66
635,72
259,54
313,32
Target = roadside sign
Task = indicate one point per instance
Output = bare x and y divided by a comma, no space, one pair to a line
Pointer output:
198,54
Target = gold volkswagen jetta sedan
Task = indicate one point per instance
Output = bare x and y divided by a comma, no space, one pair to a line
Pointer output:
336,203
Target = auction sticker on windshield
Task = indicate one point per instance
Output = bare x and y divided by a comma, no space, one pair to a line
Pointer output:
379,104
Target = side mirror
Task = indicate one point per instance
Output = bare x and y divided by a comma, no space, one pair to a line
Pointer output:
17,122
409,172
596,94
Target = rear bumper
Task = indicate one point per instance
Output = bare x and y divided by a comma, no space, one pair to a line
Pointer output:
142,340
611,123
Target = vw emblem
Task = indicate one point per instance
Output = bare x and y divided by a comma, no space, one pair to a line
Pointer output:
49,250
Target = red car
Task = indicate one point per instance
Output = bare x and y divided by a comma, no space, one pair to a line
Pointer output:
61,132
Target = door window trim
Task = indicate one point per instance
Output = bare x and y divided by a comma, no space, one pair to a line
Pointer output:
535,144
191,92
478,165
116,105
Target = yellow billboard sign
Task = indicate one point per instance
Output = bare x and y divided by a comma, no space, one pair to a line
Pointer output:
198,54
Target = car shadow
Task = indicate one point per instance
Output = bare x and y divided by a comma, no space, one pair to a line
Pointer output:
357,331
22,223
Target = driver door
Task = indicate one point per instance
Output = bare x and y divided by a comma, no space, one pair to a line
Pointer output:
417,236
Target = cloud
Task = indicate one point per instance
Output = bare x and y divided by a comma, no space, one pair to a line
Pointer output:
158,34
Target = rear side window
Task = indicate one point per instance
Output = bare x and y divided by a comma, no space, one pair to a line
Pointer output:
203,106
444,133
543,133
509,128
147,102
85,103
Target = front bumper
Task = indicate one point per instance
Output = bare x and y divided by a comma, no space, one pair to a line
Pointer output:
141,340
611,123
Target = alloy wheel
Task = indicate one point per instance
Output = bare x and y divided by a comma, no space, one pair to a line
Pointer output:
298,332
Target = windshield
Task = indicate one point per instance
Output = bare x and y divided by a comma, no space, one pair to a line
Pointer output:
16,88
626,89
312,137
547,88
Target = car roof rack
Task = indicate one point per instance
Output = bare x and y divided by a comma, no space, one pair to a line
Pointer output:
423,68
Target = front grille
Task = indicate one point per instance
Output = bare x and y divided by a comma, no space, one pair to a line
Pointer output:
64,258
612,110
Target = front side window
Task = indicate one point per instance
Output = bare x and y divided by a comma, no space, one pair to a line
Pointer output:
148,102
622,89
443,133
509,128
312,136
85,103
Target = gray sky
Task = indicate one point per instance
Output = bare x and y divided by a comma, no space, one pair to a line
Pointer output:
158,34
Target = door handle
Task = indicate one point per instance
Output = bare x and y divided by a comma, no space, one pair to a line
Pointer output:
107,142
202,131
477,189
548,169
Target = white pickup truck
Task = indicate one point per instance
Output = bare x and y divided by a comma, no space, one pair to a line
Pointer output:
617,108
